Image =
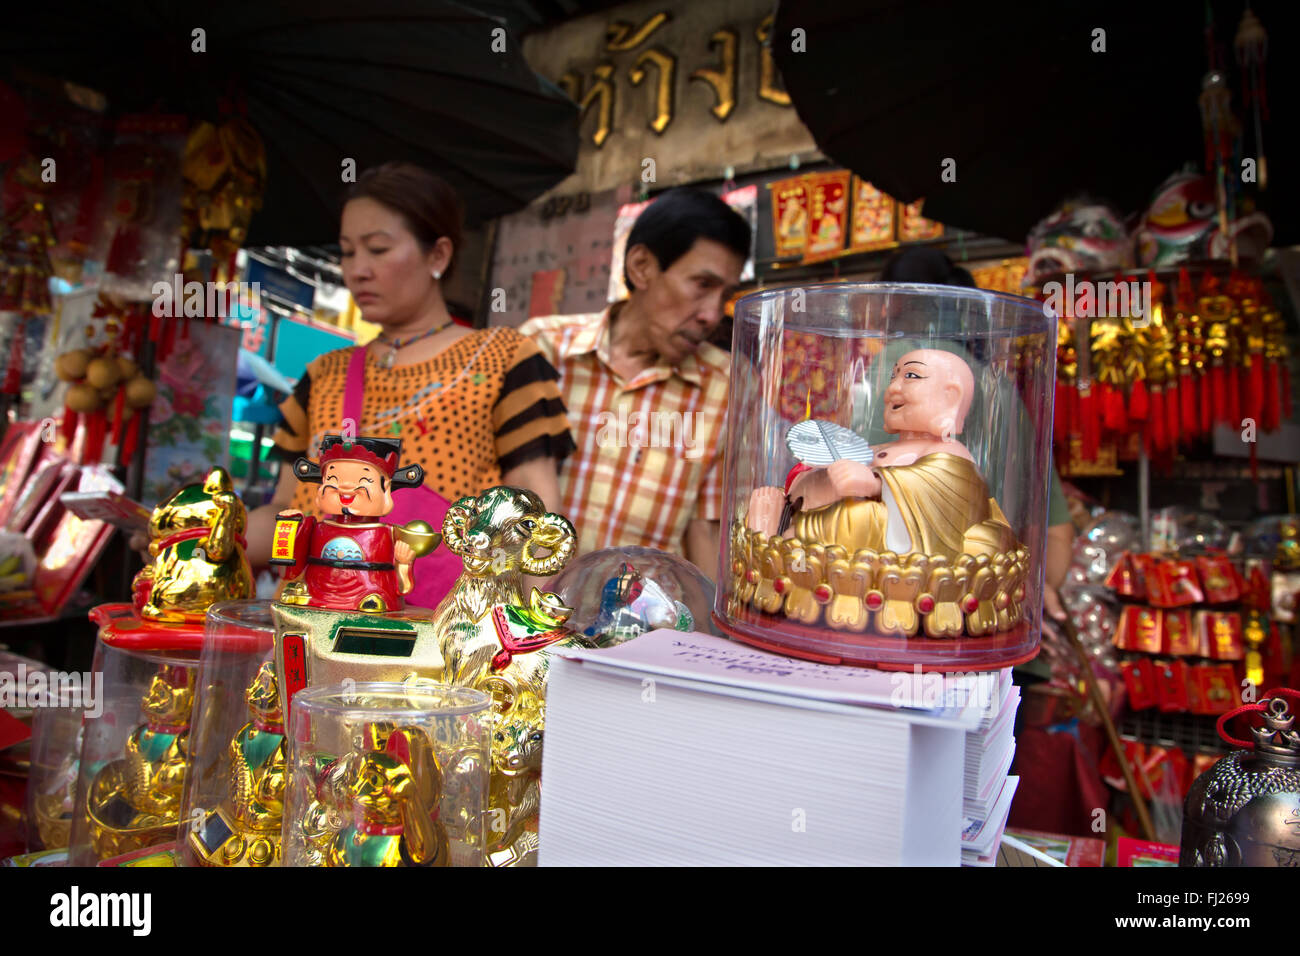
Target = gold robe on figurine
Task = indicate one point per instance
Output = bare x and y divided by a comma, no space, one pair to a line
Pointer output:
938,505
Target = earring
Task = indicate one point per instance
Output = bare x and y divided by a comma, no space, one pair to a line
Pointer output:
437,274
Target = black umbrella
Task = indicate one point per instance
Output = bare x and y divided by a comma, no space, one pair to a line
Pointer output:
323,81
1023,101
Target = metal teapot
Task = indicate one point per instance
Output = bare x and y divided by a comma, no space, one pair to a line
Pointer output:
1245,810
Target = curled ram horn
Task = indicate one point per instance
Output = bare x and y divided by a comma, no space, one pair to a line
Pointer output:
454,524
555,533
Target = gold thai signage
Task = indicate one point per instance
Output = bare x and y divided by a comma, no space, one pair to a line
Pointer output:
697,77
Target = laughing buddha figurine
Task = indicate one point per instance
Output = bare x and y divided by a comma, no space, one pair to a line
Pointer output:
912,538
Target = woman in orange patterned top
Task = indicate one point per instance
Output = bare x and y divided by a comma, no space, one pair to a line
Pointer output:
476,408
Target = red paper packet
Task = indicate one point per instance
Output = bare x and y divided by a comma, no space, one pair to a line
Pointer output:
1130,852
1125,578
1171,685
1219,578
1140,679
1218,687
1174,584
1180,637
1139,630
1220,635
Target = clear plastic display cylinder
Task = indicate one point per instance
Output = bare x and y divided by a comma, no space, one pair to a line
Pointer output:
902,522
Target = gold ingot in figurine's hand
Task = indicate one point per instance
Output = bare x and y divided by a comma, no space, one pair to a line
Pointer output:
420,536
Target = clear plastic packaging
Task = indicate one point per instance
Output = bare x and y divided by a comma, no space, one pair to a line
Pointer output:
52,780
135,755
387,774
234,800
620,593
887,468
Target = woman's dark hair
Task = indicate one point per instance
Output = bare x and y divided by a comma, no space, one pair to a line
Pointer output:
430,208
669,226
930,266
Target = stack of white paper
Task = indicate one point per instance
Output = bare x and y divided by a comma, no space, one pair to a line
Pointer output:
681,749
987,790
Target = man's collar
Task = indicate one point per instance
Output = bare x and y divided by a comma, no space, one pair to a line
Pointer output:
593,335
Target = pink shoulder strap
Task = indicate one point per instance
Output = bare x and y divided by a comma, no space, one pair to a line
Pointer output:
354,387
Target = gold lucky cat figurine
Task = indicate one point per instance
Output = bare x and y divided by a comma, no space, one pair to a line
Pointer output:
134,801
389,791
197,544
245,829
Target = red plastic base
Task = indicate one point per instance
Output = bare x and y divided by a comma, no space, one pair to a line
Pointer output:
880,651
120,627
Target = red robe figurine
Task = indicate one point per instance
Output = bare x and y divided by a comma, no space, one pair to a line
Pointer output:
349,560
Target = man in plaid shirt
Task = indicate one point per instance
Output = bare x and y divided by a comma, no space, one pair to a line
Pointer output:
646,393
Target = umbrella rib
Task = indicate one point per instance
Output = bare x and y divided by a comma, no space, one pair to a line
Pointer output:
515,89
366,121
341,150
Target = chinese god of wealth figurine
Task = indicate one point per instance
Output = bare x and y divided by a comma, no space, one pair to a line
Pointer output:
1245,810
901,538
495,642
349,560
135,800
388,790
196,538
245,829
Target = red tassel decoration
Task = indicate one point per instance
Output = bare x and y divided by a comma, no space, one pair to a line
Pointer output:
1204,389
132,438
1171,414
1255,389
1156,420
1234,398
1285,372
1139,405
1218,394
118,405
1187,399
69,426
96,427
1112,403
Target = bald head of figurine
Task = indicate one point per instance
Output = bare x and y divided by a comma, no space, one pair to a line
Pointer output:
929,395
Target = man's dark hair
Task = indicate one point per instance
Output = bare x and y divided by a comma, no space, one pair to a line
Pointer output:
930,266
670,225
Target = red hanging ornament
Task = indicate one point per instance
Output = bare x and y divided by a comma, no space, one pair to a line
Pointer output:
1171,414
1139,403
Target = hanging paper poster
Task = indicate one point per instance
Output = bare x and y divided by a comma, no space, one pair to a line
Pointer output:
913,227
189,421
745,201
627,214
872,219
789,216
828,214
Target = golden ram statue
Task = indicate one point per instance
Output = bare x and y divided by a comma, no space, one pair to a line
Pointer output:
493,641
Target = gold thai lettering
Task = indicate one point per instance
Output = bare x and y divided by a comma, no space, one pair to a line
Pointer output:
601,93
769,88
621,36
722,80
666,65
